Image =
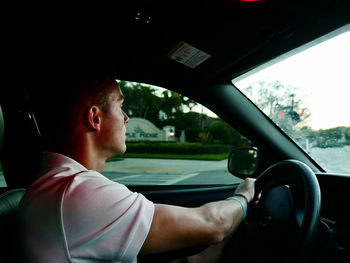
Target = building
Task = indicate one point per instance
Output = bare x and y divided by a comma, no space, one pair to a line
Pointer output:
138,129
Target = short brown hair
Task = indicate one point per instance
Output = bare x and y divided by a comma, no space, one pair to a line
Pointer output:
54,95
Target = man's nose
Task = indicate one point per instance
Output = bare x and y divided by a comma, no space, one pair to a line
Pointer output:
126,118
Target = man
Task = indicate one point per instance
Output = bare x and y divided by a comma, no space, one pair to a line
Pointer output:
72,213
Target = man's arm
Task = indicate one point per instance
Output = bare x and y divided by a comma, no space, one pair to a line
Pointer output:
175,227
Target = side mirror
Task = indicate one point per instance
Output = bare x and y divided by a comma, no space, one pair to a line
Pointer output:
243,162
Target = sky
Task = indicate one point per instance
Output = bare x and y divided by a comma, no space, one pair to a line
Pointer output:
322,74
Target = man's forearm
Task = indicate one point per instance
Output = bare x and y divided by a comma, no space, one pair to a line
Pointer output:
175,227
226,215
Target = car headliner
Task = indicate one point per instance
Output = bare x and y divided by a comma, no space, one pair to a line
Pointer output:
135,38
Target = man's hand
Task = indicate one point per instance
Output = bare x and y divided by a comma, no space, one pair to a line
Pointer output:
247,188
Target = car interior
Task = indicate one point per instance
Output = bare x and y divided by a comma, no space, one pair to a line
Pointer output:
150,42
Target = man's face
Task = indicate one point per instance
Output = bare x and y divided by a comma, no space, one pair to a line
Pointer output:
113,123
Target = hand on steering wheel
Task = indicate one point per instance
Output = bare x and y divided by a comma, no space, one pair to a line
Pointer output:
281,227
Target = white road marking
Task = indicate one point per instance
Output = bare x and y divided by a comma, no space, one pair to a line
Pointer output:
126,177
154,179
179,179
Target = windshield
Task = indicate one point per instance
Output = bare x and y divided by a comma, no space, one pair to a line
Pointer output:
306,93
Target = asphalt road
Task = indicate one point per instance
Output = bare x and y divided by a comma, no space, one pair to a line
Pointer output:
199,178
333,160
136,171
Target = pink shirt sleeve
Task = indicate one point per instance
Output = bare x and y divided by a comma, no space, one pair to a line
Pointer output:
104,219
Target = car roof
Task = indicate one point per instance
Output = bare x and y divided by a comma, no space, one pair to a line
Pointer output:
134,39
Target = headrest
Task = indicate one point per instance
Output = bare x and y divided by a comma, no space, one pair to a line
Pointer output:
1,129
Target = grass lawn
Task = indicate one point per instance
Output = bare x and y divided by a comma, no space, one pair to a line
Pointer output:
212,157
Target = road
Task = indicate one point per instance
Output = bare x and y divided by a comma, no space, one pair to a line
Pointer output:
137,171
199,178
333,160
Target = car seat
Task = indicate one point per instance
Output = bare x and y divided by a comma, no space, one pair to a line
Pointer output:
9,220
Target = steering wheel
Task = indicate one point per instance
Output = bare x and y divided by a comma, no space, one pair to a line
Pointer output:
283,225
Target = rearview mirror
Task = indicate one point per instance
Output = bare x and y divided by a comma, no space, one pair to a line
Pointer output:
243,162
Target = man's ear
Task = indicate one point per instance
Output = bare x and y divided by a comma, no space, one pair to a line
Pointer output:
94,117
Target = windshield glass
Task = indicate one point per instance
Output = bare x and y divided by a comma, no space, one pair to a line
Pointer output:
306,93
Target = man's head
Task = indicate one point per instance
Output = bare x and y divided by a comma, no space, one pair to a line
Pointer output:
106,120
69,103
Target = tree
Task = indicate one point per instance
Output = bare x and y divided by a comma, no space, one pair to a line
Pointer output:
332,137
279,102
221,132
347,135
143,101
171,103
174,103
185,120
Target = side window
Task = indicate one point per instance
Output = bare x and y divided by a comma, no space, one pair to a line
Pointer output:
172,140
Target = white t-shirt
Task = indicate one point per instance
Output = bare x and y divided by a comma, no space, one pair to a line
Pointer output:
72,214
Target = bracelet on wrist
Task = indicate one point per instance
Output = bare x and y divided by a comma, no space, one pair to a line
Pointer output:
245,197
242,205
